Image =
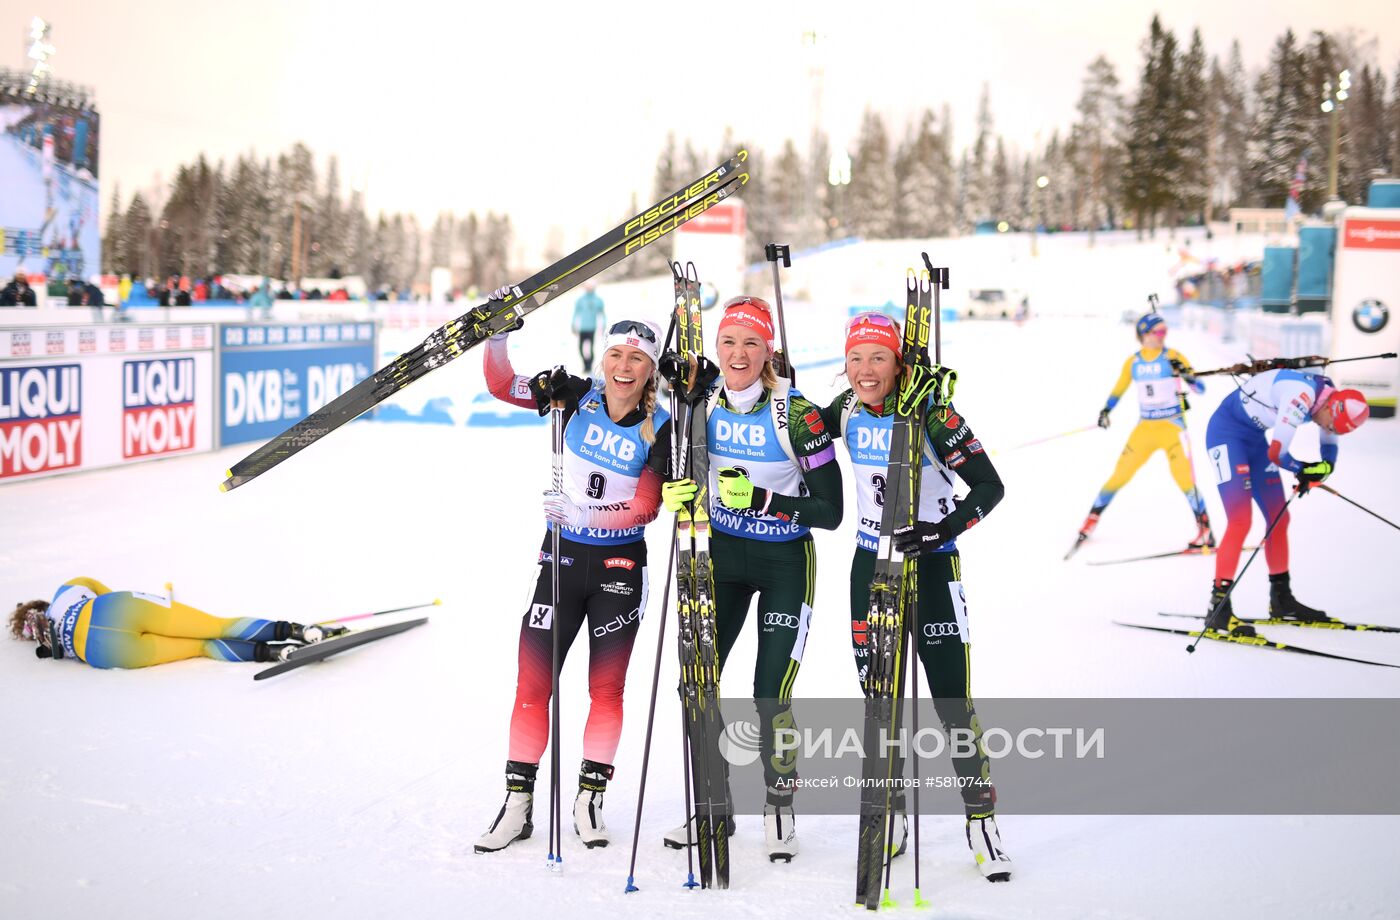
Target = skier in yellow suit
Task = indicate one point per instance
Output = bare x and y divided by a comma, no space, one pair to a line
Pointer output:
90,622
1157,371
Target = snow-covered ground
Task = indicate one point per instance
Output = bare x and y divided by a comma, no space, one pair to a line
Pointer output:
355,788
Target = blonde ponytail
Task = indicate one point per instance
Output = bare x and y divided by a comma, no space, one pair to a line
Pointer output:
648,431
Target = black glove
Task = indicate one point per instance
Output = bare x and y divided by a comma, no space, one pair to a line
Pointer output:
922,537
1103,417
1183,371
547,386
782,367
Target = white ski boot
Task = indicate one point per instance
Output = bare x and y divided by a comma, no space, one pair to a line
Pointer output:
588,804
779,829
684,835
985,841
514,820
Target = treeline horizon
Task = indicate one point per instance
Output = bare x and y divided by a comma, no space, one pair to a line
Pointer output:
1197,134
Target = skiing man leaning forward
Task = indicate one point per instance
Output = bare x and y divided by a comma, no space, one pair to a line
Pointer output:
1247,463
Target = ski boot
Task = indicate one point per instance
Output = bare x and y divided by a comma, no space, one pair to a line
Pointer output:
1086,528
985,842
1284,606
588,804
513,822
314,632
1220,618
779,828
267,652
678,838
1205,539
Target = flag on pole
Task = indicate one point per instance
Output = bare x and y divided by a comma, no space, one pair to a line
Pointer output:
1293,207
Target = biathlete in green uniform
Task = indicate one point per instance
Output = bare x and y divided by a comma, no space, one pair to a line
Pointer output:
864,416
782,482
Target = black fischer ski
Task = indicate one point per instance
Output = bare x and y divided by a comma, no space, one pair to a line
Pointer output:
1189,551
480,323
1304,624
319,651
890,587
1255,642
692,376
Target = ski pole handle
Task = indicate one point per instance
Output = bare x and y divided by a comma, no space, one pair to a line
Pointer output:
775,253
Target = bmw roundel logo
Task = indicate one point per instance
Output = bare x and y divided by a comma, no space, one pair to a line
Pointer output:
1370,316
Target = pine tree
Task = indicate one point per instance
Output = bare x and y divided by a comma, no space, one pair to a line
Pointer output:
114,257
1282,125
1194,163
136,237
787,186
872,180
1393,130
978,202
1233,168
1363,118
1095,139
1152,128
924,197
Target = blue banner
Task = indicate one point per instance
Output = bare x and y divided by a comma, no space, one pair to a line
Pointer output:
272,375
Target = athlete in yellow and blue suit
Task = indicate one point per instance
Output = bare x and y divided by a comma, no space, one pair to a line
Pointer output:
88,621
1157,372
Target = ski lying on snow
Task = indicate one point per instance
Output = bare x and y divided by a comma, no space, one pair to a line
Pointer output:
1256,642
319,651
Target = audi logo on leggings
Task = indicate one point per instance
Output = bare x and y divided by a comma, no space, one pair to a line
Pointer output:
935,630
787,620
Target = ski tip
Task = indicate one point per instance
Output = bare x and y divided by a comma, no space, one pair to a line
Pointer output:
742,156
437,602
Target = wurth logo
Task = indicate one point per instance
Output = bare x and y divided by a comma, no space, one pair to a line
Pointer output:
158,406
41,419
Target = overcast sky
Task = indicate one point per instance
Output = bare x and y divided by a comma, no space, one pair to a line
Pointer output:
515,106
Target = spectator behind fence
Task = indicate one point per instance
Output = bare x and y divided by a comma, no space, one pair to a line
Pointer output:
18,293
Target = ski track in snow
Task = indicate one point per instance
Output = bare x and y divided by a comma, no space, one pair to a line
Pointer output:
356,787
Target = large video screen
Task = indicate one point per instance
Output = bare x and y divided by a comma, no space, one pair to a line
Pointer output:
48,171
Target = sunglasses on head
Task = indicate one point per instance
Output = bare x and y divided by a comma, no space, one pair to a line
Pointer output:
632,327
874,318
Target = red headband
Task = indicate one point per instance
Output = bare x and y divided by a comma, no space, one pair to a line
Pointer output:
864,331
750,313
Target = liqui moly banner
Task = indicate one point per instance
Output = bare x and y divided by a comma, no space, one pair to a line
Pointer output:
41,419
158,407
85,397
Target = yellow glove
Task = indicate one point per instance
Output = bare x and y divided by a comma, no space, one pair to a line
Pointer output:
735,489
677,493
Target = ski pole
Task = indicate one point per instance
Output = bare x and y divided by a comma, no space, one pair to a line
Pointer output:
939,276
1327,488
775,253
437,601
556,830
651,713
1062,434
914,711
1231,590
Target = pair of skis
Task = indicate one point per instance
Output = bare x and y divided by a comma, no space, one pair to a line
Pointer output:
320,651
1263,643
691,376
893,599
480,323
